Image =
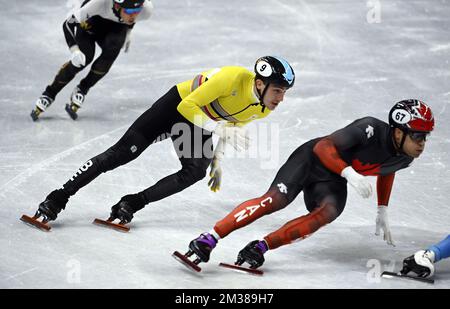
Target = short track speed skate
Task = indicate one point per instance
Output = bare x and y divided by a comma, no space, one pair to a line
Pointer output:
33,221
48,210
388,274
201,247
184,259
109,223
242,269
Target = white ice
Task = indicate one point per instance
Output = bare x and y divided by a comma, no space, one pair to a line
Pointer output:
353,58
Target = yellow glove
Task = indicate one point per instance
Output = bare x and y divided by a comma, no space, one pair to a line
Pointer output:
216,171
216,175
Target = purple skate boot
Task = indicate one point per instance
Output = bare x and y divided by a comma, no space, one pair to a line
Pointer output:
201,247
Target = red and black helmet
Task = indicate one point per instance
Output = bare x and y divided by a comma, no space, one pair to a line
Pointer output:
412,116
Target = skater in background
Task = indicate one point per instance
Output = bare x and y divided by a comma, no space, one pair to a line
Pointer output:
218,101
321,168
105,22
422,262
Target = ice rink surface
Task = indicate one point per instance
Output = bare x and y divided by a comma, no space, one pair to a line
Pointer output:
352,58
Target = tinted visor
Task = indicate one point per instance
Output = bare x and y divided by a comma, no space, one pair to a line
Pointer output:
418,136
133,10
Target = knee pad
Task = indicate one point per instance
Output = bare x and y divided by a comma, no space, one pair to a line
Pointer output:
102,66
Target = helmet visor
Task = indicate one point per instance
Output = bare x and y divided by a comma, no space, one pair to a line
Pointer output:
419,136
132,11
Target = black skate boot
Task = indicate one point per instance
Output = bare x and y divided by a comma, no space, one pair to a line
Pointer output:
253,254
42,104
418,267
48,210
76,101
123,211
421,264
53,204
201,247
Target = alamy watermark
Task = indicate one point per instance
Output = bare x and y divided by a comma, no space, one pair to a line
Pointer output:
376,268
74,273
194,142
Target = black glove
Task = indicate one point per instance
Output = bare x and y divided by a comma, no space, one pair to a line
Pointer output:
126,207
253,254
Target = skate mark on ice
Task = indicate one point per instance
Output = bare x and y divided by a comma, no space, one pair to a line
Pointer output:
20,274
43,165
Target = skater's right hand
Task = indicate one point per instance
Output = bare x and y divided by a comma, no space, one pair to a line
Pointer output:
216,175
233,135
357,181
78,58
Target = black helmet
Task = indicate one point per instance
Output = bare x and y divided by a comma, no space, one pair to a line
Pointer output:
275,70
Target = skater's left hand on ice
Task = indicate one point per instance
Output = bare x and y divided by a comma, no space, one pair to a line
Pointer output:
216,175
126,45
382,222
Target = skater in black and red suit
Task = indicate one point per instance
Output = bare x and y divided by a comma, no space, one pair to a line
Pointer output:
321,168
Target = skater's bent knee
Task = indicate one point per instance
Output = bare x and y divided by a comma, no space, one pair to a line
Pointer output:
191,174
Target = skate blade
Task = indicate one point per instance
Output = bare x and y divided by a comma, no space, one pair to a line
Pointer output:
241,269
186,262
32,221
110,224
388,274
73,114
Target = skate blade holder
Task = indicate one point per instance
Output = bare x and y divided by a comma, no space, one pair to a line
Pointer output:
34,222
246,270
388,274
110,224
185,261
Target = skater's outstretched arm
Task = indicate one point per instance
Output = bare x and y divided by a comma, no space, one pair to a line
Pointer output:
384,188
